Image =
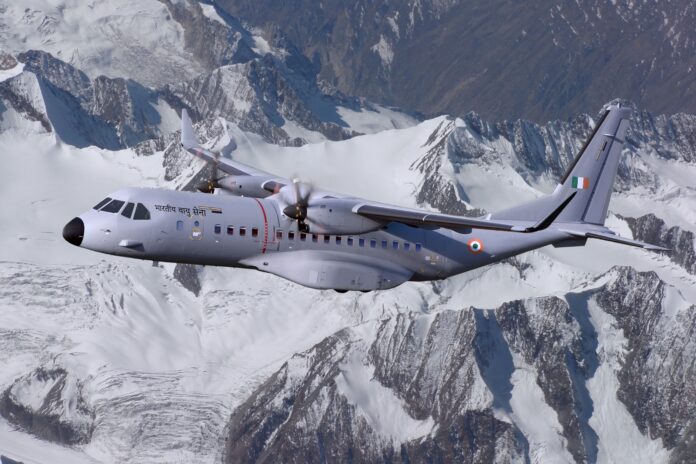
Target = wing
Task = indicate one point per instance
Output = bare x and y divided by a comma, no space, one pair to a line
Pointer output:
383,213
190,143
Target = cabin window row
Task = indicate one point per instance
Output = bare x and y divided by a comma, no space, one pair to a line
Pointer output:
350,241
241,231
338,240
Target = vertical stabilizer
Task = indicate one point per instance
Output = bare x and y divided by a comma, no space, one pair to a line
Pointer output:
589,179
592,173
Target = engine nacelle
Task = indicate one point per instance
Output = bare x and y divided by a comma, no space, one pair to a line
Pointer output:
335,216
249,186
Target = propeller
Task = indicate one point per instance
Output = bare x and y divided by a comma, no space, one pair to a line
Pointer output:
209,185
297,206
213,182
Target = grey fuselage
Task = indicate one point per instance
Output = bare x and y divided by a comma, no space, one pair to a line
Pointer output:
226,230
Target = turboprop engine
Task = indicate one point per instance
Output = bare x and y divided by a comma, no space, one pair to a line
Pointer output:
323,214
248,186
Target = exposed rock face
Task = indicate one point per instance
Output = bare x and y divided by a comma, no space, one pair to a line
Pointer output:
188,276
548,61
109,113
211,42
540,154
682,243
7,61
435,190
658,376
20,94
262,96
312,409
442,377
49,404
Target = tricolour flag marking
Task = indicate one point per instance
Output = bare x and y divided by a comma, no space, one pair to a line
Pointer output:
581,183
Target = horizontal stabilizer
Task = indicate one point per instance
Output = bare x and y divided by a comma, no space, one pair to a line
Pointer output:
609,237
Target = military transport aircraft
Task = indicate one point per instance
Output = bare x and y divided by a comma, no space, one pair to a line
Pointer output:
327,240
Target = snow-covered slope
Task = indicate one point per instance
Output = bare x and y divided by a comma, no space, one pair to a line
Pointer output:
558,355
149,372
113,74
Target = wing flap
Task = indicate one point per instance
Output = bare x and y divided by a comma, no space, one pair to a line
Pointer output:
420,218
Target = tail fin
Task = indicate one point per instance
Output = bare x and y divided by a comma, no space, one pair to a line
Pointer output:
593,171
589,179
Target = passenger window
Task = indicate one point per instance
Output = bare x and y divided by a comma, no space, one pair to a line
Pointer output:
395,245
291,235
179,226
230,230
279,234
113,207
361,242
315,238
418,247
338,240
303,236
102,203
128,210
141,212
242,231
349,241
218,228
384,244
327,238
373,243
407,246
254,232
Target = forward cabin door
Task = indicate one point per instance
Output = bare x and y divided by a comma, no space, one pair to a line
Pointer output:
268,226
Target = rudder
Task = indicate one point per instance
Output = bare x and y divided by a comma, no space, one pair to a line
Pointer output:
592,172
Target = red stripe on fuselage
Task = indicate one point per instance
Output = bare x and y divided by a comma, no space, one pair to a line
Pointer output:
265,226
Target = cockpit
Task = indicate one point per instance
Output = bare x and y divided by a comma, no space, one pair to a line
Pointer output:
101,217
135,211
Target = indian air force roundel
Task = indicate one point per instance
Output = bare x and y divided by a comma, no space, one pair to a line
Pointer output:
475,245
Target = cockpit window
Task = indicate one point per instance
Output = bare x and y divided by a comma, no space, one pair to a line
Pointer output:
141,212
113,207
128,210
102,203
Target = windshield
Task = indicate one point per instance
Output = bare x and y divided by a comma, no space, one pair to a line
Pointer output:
113,207
102,203
128,210
141,212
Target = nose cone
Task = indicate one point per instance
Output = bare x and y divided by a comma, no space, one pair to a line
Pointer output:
74,231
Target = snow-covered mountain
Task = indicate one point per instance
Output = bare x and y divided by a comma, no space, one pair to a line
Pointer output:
559,355
541,60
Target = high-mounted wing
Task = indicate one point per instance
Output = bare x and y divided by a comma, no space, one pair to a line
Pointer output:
419,218
423,218
190,143
331,213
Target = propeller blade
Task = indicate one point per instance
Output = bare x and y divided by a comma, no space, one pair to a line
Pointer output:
297,206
